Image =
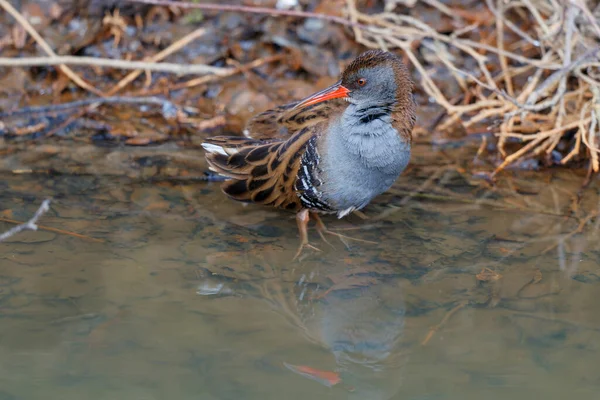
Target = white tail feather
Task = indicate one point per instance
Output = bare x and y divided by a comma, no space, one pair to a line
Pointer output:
213,148
345,212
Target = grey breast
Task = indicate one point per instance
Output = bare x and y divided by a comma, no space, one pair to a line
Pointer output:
362,161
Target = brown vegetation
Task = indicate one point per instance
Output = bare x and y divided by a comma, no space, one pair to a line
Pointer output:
524,72
532,65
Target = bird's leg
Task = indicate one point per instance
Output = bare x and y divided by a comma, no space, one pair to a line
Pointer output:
323,229
302,219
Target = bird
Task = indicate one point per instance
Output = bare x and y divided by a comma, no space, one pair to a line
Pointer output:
332,152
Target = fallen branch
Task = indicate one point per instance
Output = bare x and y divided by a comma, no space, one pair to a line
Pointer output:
169,110
436,328
30,225
55,230
180,69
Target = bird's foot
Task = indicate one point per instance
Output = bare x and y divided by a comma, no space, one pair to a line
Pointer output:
321,233
302,219
322,229
344,238
304,246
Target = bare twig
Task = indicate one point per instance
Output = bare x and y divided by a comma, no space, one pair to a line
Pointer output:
30,225
178,45
180,69
590,17
230,72
46,47
353,14
56,230
569,235
500,42
436,328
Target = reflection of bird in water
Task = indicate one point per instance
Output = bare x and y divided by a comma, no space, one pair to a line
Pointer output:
359,319
362,327
352,308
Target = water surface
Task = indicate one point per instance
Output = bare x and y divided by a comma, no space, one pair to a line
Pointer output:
471,292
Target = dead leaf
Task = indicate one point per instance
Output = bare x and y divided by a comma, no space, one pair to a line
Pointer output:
487,275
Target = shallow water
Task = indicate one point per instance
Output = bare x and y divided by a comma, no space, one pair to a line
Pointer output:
468,293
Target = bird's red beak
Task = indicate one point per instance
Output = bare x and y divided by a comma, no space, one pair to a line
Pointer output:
334,91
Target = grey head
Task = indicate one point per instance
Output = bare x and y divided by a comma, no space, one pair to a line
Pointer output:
379,84
376,84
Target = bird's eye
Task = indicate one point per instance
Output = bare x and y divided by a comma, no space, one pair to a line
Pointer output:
361,81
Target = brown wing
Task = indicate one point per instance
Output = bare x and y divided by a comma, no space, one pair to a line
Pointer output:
283,121
262,172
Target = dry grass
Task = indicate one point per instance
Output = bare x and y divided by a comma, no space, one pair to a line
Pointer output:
529,70
535,77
